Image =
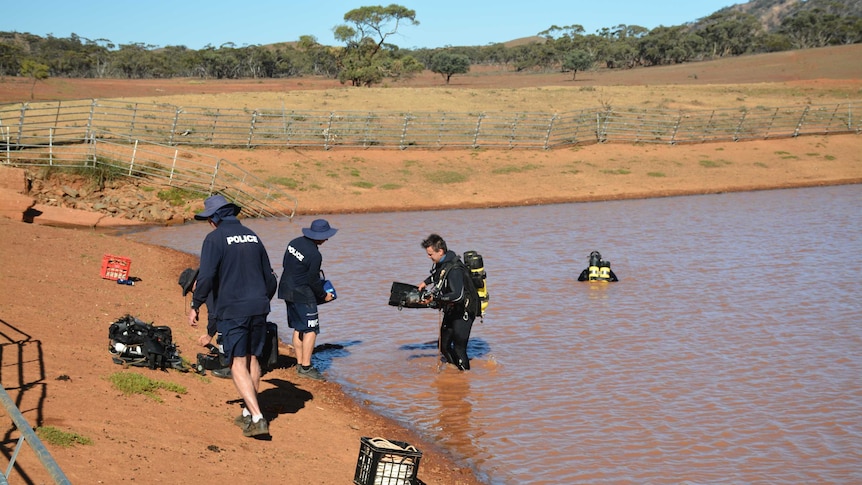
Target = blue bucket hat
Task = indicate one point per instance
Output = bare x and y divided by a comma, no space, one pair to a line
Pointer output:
213,204
319,230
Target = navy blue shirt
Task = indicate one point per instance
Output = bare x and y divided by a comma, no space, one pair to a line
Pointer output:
300,281
235,268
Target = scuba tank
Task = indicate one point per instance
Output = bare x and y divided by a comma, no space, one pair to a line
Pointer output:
474,263
605,270
593,272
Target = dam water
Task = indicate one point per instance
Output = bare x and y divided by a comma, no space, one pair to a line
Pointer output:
730,351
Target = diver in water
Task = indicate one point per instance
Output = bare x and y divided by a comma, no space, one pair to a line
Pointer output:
599,270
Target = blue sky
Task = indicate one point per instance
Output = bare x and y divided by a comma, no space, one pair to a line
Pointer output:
197,24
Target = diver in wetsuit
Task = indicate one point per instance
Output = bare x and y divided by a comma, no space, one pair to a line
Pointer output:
598,270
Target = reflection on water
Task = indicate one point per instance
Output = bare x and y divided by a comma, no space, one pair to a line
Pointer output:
728,352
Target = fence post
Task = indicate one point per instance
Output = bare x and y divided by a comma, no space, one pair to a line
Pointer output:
174,126
739,126
676,128
367,131
21,123
251,129
173,168
513,130
57,114
478,130
440,131
8,152
51,146
91,116
287,128
134,120
93,150
834,114
215,175
801,121
548,133
327,132
134,154
709,125
602,119
771,122
215,120
404,131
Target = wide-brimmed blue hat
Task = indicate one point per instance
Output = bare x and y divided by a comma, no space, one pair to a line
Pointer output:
213,204
319,230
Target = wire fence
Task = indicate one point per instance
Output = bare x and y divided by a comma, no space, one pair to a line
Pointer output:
167,166
155,140
78,121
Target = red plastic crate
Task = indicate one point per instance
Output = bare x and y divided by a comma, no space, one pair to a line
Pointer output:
115,267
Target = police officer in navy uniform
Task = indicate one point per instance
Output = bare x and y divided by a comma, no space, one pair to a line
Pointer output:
302,290
235,268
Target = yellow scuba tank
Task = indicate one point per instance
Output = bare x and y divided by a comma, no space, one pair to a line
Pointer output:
474,263
593,271
605,271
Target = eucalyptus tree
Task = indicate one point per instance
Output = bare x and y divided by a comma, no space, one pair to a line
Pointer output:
34,70
577,60
366,58
448,64
730,33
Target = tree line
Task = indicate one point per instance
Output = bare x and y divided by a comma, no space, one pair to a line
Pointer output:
365,58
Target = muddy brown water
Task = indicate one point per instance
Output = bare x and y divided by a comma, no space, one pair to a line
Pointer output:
729,351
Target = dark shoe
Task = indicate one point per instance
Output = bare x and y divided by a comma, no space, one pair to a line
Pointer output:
242,421
310,373
253,429
224,372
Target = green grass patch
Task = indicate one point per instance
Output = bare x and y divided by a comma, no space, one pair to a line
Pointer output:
130,383
619,171
362,184
390,187
507,169
656,174
446,177
713,164
57,437
290,183
177,197
829,157
761,165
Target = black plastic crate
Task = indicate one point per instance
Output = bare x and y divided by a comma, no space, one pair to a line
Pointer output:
386,462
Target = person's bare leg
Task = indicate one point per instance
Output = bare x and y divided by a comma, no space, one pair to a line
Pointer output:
254,372
242,379
297,347
308,339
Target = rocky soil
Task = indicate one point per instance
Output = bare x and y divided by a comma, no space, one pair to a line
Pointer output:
118,198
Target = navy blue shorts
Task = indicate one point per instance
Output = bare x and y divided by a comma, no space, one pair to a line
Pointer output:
303,317
243,336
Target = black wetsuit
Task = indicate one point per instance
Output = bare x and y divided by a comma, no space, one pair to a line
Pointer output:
460,304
